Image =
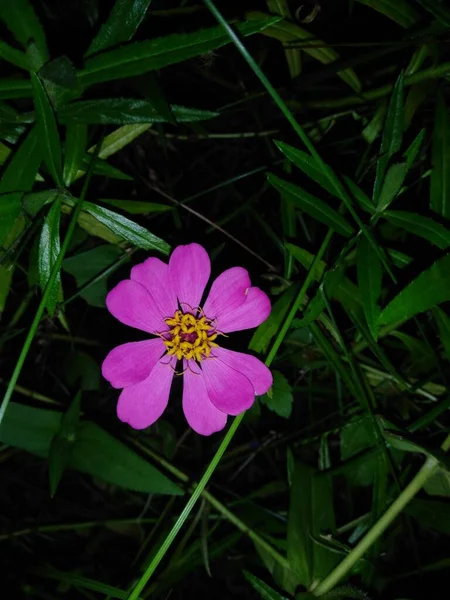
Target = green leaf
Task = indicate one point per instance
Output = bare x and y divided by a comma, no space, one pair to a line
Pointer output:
15,57
440,158
120,111
95,451
430,514
62,444
76,139
82,371
125,229
439,483
412,151
392,184
137,207
438,9
47,129
357,436
429,289
120,26
32,203
15,88
311,515
87,265
141,57
399,11
279,398
267,330
18,177
443,323
392,135
23,23
266,592
424,227
49,247
59,78
101,167
98,453
369,283
311,205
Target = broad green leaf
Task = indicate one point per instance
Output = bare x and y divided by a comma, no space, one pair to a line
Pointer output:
440,174
311,515
357,436
264,591
98,453
76,139
120,111
279,398
95,451
87,265
47,130
311,205
120,26
15,57
288,32
59,78
23,23
141,57
267,330
392,184
15,88
438,484
32,203
369,283
431,514
82,371
18,177
424,227
430,288
63,443
137,207
101,167
392,135
49,247
443,323
120,138
399,11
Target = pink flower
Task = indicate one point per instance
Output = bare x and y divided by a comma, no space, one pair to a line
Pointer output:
164,300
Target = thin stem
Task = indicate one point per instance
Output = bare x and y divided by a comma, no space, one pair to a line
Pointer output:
43,303
428,469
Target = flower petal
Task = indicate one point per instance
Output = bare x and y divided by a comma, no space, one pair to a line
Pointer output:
153,274
227,292
200,412
251,313
250,366
133,305
131,363
189,269
229,391
141,404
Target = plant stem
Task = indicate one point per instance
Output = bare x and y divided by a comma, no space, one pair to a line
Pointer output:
428,469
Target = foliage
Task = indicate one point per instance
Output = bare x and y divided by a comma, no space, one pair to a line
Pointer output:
128,127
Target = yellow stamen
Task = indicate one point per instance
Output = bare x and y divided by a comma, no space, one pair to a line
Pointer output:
189,337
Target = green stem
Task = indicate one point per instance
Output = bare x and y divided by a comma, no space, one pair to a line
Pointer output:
43,303
428,469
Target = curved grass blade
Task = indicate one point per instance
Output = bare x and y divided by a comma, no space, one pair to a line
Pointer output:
369,283
49,248
424,227
440,174
15,57
76,139
311,205
399,11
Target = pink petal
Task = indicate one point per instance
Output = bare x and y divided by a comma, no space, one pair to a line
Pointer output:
141,404
131,363
189,269
229,391
227,293
250,366
251,313
133,305
153,274
200,413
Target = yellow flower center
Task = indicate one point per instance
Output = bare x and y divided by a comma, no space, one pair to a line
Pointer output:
189,337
